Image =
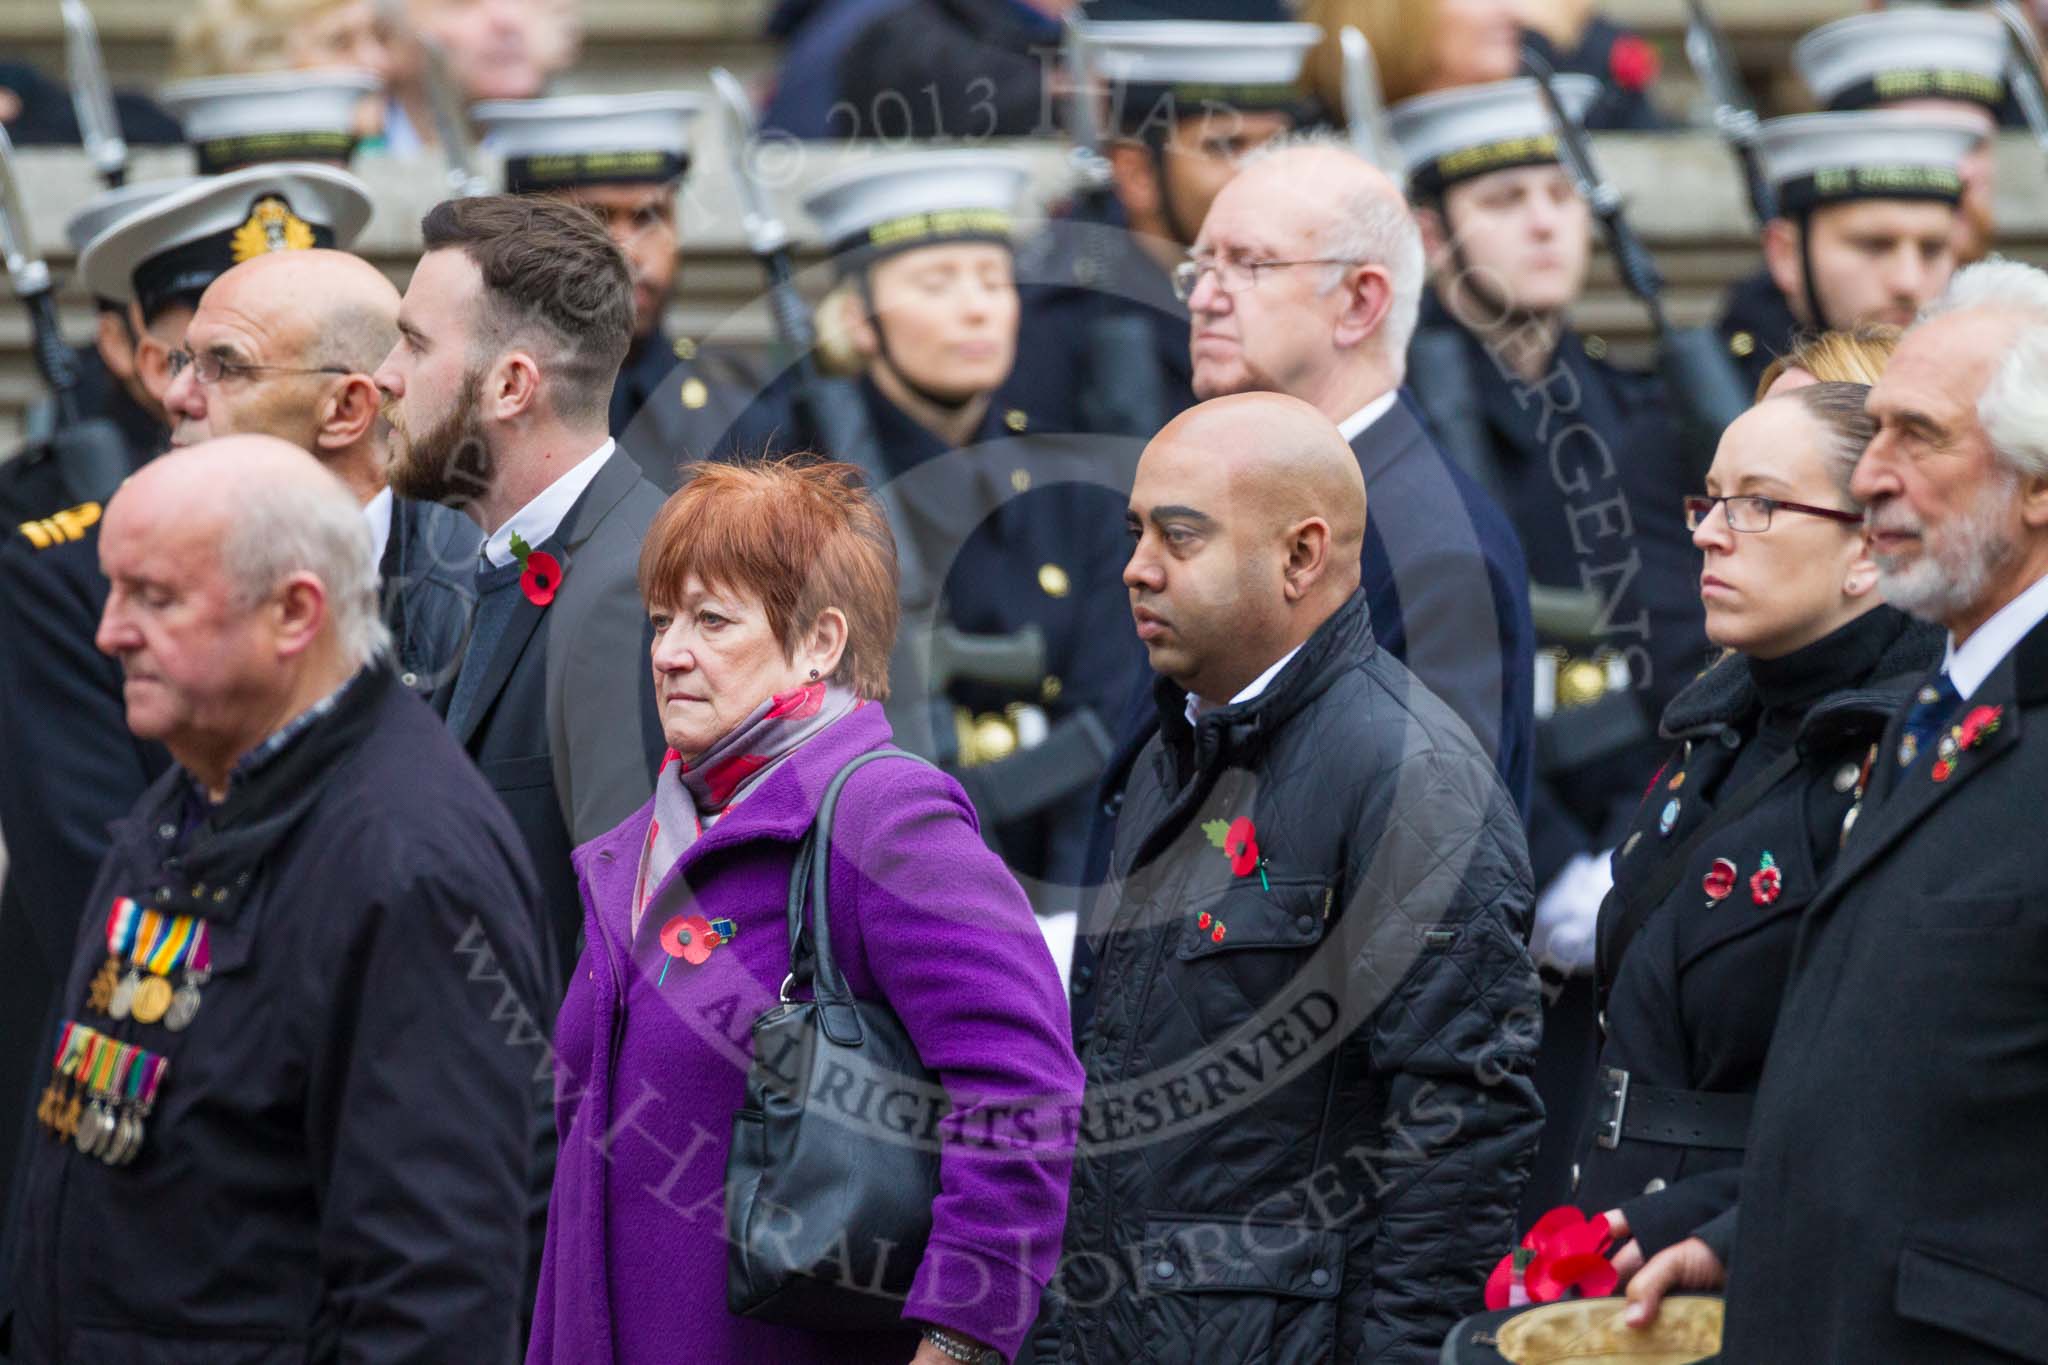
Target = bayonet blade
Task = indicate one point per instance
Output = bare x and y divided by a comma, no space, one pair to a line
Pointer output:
2026,67
92,99
764,228
1572,151
25,268
451,122
1364,106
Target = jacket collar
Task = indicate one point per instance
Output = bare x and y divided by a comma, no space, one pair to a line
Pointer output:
1725,696
2019,681
211,874
618,476
1386,441
1232,734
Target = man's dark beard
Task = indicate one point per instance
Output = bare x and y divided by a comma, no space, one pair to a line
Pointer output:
452,464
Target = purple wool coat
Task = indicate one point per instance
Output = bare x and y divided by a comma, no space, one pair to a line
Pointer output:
649,1071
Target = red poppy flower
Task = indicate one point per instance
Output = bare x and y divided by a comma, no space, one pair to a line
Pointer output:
1202,920
1633,63
1942,769
687,937
1720,879
541,576
1570,1254
1242,844
1981,721
1765,884
1216,934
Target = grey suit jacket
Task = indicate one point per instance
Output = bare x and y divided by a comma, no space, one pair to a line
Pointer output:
563,724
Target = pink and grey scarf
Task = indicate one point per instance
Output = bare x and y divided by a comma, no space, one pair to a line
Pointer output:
689,796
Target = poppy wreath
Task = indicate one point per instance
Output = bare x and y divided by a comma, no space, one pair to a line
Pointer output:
540,573
1564,1251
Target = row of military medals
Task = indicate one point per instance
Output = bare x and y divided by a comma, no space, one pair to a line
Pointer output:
103,1089
102,1093
155,945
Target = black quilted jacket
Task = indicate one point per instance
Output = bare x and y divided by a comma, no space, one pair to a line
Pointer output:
1309,1113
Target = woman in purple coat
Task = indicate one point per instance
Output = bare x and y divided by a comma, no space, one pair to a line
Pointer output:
772,593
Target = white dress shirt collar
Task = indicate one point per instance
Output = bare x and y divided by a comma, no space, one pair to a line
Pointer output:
1251,689
540,518
377,512
1970,665
1372,412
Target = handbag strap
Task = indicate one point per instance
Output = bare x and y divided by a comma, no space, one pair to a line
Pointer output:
1636,909
810,937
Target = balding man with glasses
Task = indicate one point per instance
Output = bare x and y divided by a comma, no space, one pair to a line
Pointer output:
1306,280
284,345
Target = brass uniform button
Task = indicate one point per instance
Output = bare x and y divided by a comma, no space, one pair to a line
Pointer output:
1051,687
1741,344
1015,419
1581,681
1596,347
1053,581
995,737
1020,479
695,395
685,349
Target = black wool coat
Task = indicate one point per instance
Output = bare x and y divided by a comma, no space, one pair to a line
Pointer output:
1892,1205
1693,1002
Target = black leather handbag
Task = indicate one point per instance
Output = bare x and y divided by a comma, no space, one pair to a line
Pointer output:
834,1162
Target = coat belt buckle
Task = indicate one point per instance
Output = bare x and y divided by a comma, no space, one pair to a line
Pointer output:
1614,1093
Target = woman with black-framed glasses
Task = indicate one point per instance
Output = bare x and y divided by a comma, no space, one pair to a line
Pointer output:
1740,826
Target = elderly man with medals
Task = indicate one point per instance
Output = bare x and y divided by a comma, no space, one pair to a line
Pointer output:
286,1108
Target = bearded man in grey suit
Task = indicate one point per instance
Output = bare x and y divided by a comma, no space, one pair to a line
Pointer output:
510,336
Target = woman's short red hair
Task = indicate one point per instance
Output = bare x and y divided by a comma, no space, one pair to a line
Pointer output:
800,533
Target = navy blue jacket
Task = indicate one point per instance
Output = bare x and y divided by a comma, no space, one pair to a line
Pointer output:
337,1163
64,722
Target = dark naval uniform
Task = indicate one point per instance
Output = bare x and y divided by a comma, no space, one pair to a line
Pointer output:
1757,325
1693,1001
675,403
33,483
247,1150
1021,530
1583,461
1102,342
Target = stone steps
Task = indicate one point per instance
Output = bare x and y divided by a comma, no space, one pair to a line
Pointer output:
1682,190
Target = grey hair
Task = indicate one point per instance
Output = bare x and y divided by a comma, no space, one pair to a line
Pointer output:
308,525
2013,409
1378,228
